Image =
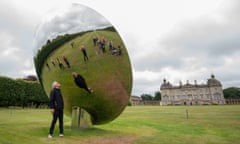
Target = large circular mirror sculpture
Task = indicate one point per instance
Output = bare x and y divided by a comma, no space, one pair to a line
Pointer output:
81,44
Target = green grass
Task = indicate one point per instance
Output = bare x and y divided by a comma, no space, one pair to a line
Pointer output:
136,125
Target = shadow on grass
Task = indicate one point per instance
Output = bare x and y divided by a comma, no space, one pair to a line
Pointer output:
73,132
92,135
93,131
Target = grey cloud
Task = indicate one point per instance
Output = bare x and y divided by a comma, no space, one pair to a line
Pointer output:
201,44
146,87
16,32
232,12
226,46
205,39
156,61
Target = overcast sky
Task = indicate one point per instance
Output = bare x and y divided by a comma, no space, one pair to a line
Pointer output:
172,39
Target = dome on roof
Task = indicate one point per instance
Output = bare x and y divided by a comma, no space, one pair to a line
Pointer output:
213,82
165,84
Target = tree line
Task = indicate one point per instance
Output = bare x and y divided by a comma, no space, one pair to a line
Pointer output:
157,96
19,92
232,93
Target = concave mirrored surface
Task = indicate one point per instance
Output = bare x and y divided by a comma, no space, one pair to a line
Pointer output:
81,50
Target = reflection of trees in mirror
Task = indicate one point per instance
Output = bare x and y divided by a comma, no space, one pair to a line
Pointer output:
50,46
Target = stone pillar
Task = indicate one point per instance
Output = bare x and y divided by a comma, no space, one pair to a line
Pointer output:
80,118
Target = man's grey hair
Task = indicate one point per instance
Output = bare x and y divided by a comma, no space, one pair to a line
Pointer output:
54,84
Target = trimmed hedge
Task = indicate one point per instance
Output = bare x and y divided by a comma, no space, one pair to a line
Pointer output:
21,93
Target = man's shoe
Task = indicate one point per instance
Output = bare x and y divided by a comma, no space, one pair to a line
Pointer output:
91,90
49,136
61,135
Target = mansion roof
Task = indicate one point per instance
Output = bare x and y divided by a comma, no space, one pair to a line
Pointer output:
211,82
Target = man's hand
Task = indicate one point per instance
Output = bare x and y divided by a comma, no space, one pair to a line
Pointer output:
52,111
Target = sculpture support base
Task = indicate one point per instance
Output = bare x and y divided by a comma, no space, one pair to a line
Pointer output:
80,118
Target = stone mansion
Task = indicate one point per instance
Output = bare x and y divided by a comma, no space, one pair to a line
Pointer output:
193,94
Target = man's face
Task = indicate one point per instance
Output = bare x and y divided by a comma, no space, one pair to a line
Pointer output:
58,85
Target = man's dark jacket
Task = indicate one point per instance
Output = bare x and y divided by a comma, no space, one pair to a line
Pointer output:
56,99
80,81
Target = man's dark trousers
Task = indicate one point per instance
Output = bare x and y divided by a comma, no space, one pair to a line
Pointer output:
58,114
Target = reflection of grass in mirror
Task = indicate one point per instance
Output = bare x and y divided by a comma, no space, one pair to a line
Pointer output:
138,125
100,70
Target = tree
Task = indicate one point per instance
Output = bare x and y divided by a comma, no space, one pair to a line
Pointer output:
40,96
30,78
146,97
35,93
3,92
157,96
48,42
7,93
231,92
19,94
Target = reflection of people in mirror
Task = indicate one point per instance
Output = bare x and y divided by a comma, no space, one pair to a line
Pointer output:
95,39
72,44
102,44
85,57
110,45
117,51
80,82
48,66
60,64
66,61
52,61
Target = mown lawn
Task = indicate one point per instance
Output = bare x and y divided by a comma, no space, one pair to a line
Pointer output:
136,125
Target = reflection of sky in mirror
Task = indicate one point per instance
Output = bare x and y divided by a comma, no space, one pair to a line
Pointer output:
68,19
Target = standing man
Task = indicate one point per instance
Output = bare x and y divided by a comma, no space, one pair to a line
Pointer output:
56,108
